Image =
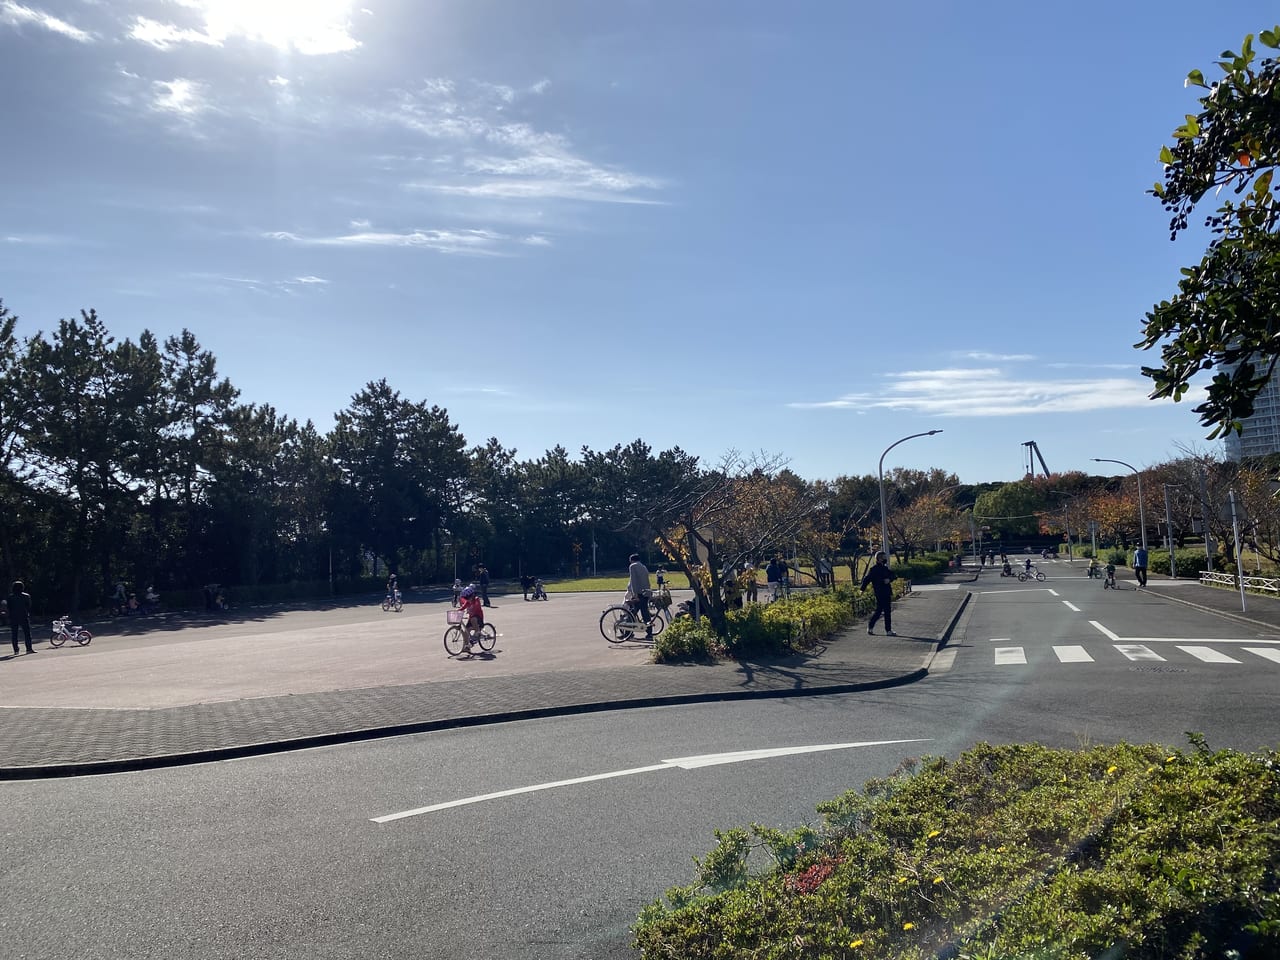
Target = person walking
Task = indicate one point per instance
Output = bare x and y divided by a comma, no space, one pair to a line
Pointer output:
638,589
484,585
753,588
1140,566
880,578
20,615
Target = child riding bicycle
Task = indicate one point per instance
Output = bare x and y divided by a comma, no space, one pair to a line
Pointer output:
473,612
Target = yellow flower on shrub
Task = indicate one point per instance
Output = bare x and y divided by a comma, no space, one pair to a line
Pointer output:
908,925
934,833
855,944
936,881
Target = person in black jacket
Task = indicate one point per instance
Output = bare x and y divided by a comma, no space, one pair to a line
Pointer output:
880,577
20,615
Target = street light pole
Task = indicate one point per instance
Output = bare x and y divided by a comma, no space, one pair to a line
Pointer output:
1168,526
884,515
1142,514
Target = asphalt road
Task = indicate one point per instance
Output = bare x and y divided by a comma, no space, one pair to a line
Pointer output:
285,856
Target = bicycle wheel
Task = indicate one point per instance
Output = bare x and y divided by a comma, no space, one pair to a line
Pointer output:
58,639
617,625
399,605
658,624
83,637
488,636
453,640
1022,578
386,605
1039,576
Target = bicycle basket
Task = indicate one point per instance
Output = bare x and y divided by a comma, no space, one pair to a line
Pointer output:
453,616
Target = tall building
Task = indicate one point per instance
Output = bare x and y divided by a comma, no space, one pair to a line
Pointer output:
1261,432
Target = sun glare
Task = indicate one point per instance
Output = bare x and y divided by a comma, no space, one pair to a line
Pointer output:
307,26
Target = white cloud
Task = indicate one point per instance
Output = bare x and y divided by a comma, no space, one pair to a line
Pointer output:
541,86
180,96
309,27
307,280
162,36
17,15
971,392
996,357
481,242
536,240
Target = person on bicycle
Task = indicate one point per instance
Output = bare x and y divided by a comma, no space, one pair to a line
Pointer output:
1028,566
638,589
473,611
1111,574
392,587
1093,568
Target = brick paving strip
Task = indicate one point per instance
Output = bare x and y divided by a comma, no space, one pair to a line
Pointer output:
40,742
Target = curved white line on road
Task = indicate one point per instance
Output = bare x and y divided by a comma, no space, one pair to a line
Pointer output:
679,763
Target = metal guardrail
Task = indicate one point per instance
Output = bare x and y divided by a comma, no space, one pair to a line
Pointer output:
1263,584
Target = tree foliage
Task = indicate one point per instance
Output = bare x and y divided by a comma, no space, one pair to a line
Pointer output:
1226,312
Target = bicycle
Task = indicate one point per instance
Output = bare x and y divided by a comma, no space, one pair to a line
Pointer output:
458,637
1109,582
392,602
1032,574
621,622
64,630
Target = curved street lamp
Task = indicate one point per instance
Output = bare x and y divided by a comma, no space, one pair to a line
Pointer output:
1142,516
884,514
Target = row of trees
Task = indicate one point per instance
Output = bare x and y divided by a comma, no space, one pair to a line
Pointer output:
137,461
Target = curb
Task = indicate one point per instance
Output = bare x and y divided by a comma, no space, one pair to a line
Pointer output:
264,748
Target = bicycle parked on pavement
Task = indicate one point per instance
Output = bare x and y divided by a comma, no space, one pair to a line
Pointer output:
459,638
63,630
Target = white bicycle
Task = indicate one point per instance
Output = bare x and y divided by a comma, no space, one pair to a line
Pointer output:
63,630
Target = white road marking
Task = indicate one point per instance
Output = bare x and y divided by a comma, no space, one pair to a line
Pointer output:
1105,631
1001,639
926,587
681,763
1068,654
1136,651
944,661
1071,606
1022,590
1267,653
1207,654
1053,591
1008,656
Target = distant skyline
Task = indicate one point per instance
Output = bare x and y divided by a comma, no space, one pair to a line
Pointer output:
808,229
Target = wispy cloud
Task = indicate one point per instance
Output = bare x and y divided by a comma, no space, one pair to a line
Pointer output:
982,357
479,242
290,286
1092,366
17,15
988,392
315,28
163,36
186,98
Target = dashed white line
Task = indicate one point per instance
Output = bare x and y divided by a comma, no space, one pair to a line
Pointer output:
1136,651
1071,606
1207,654
1009,656
1267,653
681,763
1072,654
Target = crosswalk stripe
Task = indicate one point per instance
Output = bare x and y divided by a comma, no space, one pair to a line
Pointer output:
1208,654
1006,656
1267,653
1073,655
1136,651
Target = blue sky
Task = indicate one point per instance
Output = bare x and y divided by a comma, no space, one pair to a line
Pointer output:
807,228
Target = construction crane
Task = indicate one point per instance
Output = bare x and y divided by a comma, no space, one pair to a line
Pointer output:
1032,448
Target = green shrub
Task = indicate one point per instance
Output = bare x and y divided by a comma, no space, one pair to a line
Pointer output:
1117,556
920,569
687,639
1190,562
1009,851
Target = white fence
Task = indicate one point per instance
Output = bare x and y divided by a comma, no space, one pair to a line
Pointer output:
1265,584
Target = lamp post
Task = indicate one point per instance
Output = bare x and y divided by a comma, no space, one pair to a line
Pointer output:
884,515
1142,515
1168,526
